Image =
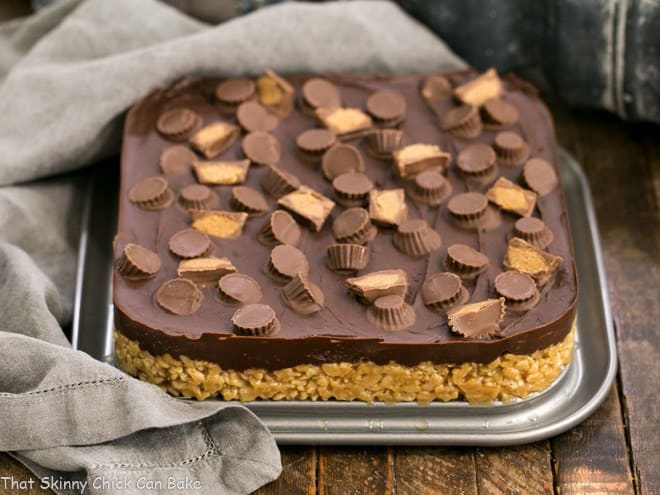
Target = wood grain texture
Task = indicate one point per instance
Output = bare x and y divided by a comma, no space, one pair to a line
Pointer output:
298,473
430,471
355,471
12,470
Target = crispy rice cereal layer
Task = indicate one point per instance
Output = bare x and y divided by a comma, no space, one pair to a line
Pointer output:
505,378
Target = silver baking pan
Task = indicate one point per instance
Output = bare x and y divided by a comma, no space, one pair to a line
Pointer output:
572,398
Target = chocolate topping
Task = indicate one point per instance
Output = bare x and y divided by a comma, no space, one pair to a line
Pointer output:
540,176
176,160
465,261
463,122
252,116
344,257
205,271
315,142
235,91
222,173
310,206
415,238
319,92
477,160
278,182
280,228
391,313
189,243
435,88
477,320
354,226
197,197
430,187
179,296
261,148
387,106
303,296
511,197
151,193
177,123
444,291
518,289
534,231
382,143
214,138
340,159
352,188
285,262
497,112
255,319
251,201
238,288
511,148
138,262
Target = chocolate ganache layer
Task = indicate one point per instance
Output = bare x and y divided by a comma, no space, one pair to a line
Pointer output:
493,141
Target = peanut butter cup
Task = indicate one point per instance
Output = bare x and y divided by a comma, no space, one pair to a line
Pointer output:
197,197
285,262
534,231
540,176
518,289
479,90
252,116
189,243
527,258
317,93
179,296
303,296
347,258
391,313
309,206
382,143
388,207
221,172
352,188
415,158
462,122
430,187
233,92
313,143
206,271
511,197
176,160
387,107
137,262
369,287
278,182
444,291
177,124
340,159
471,211
239,288
251,201
280,228
261,148
256,320
497,113
466,262
354,226
435,88
275,93
477,320
415,238
214,138
151,193
477,161
511,148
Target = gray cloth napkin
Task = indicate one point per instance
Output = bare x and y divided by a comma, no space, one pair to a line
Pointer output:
67,75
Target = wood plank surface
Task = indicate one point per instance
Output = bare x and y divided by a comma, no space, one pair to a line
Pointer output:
430,471
355,471
298,473
15,479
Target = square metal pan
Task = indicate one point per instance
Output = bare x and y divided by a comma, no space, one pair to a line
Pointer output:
572,398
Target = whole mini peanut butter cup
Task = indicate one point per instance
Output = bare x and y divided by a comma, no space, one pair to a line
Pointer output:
340,159
468,206
462,122
189,243
497,113
534,231
352,188
477,320
235,91
303,296
477,160
540,176
252,116
151,193
318,92
239,288
444,291
257,320
137,262
391,313
465,261
511,148
197,197
354,226
346,257
278,182
176,160
430,187
261,148
179,296
177,123
280,228
382,143
312,143
518,289
285,262
386,106
415,237
251,201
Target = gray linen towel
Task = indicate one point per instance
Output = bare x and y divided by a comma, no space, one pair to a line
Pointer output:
67,75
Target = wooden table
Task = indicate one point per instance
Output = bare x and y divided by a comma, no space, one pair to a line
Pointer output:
614,451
